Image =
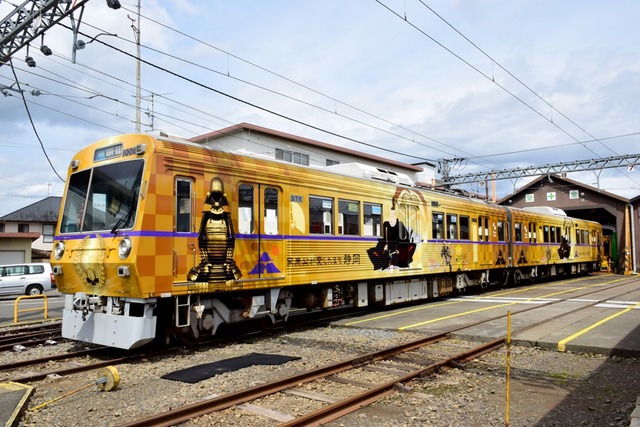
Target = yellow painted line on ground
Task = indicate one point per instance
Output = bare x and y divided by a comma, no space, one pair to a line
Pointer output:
562,345
431,306
509,292
402,328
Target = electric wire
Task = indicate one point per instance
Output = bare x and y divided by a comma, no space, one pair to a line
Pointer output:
518,80
33,125
512,94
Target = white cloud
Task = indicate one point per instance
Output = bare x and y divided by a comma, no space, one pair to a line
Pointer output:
411,86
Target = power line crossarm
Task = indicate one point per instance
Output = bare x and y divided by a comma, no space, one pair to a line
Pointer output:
628,160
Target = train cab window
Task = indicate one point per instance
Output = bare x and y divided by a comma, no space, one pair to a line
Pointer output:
437,225
349,217
271,210
372,219
320,215
105,198
517,231
245,209
501,236
452,227
184,202
465,233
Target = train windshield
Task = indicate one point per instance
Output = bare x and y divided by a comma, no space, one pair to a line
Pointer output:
103,198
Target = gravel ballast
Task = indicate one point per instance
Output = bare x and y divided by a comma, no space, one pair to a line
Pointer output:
547,388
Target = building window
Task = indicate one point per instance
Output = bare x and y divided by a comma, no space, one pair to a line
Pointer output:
292,157
1,228
332,162
23,228
48,231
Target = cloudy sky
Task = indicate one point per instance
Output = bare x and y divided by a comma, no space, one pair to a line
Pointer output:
494,83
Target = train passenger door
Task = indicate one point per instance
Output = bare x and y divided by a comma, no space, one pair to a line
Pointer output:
408,215
185,243
484,248
260,223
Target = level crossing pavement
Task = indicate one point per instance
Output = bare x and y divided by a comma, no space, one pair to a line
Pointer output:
599,313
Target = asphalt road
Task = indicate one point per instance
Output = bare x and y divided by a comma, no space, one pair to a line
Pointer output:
30,309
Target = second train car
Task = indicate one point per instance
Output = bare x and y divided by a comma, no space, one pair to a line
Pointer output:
160,237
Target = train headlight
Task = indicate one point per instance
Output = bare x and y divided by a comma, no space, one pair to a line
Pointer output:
58,250
124,248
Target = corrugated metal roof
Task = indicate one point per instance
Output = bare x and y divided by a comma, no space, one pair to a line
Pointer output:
45,210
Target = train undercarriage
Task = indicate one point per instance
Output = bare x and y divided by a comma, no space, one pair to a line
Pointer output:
129,322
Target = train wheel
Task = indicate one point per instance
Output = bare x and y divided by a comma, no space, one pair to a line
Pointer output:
185,336
517,278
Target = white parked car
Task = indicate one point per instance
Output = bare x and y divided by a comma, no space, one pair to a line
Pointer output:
26,279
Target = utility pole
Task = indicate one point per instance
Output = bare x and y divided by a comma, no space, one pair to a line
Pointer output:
136,33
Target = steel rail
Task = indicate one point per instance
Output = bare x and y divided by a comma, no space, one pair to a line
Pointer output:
187,412
347,406
194,410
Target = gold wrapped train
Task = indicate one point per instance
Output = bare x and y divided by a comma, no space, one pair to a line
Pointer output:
160,237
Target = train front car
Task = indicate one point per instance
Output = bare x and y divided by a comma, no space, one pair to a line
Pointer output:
97,243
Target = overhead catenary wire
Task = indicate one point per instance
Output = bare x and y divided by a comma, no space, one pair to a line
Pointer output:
501,86
350,106
33,125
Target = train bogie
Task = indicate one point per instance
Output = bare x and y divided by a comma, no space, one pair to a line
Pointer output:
161,237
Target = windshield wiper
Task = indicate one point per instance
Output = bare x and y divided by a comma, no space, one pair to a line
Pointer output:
124,219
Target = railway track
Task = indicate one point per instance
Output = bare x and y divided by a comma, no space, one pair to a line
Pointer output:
383,361
104,356
31,335
396,371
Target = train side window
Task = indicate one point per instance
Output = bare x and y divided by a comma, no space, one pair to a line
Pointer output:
545,234
245,209
184,202
349,217
464,228
517,231
533,235
437,225
452,227
372,219
271,210
320,215
501,231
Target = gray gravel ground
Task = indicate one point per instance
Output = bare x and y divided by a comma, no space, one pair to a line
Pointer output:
547,388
